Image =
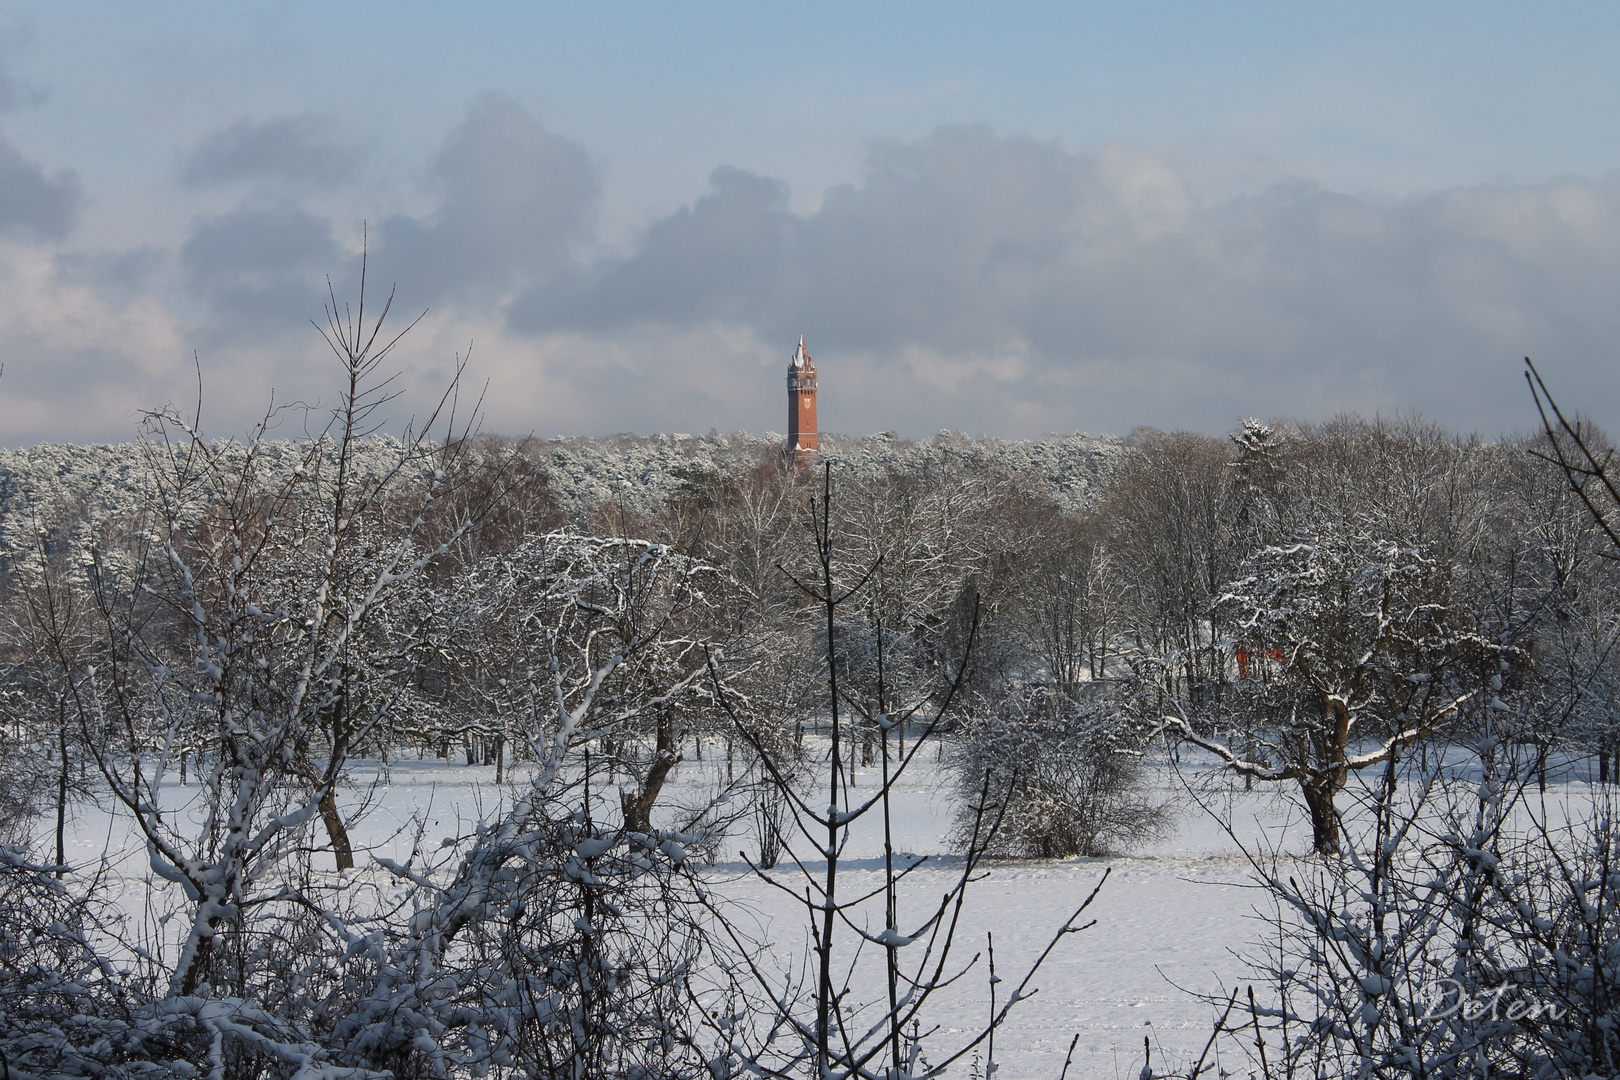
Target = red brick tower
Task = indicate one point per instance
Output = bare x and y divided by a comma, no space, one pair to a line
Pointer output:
803,439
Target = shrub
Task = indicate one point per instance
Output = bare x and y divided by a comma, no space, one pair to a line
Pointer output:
1069,769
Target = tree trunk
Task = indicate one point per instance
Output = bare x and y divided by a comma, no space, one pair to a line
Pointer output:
638,806
192,976
1321,785
1319,792
337,832
61,809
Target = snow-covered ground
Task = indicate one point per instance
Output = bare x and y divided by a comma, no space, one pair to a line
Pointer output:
1170,922
1167,922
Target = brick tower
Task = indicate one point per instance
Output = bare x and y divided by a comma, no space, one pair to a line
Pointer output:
802,439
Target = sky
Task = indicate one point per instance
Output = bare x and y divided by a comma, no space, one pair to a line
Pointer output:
999,219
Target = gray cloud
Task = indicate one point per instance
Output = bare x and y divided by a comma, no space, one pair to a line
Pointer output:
118,276
294,149
261,267
514,198
1002,282
723,257
32,204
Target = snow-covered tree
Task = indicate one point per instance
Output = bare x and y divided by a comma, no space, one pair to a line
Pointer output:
1359,630
549,631
1362,639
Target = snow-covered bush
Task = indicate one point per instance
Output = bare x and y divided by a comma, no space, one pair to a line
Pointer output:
550,942
1067,770
65,1008
1462,931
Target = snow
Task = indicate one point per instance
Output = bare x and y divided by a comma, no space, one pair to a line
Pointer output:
1170,922
1166,920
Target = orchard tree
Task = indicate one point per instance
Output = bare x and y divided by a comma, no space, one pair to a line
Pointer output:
1362,641
549,631
1360,632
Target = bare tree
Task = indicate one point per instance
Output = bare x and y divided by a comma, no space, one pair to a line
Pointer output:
821,1032
1583,454
1173,520
252,610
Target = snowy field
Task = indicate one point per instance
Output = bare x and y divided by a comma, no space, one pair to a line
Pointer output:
1171,920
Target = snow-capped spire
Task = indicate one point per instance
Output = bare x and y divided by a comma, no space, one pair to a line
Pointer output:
801,358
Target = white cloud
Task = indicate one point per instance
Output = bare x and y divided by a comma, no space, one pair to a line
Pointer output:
78,364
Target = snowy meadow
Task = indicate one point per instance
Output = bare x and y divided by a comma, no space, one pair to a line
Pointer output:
1178,923
1169,919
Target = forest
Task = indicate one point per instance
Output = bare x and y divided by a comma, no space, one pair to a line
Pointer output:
1402,630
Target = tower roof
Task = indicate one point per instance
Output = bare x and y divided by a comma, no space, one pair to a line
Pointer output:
801,358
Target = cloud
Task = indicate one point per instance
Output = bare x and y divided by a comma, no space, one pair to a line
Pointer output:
302,150
118,276
33,205
79,364
261,267
514,199
723,257
967,279
998,282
